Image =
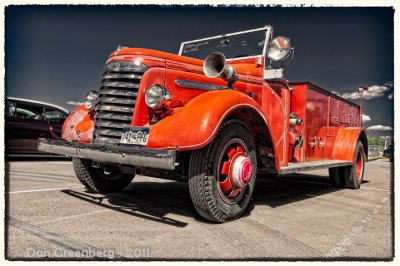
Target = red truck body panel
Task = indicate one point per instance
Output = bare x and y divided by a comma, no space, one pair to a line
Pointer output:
323,114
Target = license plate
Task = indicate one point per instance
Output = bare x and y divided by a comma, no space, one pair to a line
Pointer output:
135,136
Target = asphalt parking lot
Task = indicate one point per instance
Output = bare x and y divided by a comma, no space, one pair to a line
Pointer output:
297,216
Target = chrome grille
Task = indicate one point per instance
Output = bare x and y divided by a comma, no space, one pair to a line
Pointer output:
117,99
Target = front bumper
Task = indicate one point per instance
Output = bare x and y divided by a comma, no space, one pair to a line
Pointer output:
111,153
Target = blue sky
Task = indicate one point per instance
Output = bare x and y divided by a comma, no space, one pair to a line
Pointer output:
57,53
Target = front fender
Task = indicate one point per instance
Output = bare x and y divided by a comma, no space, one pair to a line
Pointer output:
345,143
194,125
79,126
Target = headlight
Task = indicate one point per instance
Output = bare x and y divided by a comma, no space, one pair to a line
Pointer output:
155,94
279,49
91,99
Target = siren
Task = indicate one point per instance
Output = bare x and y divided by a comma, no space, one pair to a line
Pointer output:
215,66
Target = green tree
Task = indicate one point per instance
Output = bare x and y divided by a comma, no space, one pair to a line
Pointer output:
374,141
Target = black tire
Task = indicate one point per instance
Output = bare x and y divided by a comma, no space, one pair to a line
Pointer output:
352,177
97,179
268,175
204,166
336,176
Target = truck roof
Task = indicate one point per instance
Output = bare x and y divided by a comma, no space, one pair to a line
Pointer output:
323,91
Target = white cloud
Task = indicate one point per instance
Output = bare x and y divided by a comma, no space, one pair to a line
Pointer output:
74,103
366,118
389,83
380,128
373,91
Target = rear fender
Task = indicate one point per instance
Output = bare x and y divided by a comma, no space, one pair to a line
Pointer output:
79,125
346,141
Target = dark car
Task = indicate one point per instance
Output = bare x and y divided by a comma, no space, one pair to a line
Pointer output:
26,121
389,152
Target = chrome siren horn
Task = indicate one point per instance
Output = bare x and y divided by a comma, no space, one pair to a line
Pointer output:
215,66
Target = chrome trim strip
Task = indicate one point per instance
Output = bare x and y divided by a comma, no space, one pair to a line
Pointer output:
112,124
161,159
188,84
117,100
108,139
125,66
122,76
118,84
113,116
114,108
118,92
108,132
244,57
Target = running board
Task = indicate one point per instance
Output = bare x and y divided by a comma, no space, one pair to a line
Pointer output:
300,167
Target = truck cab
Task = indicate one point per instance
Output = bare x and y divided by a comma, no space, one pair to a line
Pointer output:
217,114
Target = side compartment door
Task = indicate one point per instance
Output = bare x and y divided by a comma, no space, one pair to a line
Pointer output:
332,127
316,127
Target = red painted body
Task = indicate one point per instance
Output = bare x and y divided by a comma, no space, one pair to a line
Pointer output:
330,127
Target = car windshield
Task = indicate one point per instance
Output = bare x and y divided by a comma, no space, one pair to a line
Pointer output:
235,45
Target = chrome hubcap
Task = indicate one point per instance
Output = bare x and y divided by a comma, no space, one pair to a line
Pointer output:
234,170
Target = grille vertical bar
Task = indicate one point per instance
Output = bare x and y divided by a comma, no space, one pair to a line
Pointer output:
117,99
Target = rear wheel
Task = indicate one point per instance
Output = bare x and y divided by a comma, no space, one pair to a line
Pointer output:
105,178
353,174
222,175
350,176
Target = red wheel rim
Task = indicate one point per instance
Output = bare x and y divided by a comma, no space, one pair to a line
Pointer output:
234,170
359,166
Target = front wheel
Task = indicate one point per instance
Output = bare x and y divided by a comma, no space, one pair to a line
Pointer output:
222,175
105,178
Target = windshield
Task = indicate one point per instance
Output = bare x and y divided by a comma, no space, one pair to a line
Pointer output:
235,45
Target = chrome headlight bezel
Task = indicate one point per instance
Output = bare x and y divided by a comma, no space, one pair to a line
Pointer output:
279,49
91,99
155,95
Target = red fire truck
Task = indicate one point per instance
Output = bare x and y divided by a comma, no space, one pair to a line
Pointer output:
216,115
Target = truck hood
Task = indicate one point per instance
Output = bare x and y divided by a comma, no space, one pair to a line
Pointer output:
243,67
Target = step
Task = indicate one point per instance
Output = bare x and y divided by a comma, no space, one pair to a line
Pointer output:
307,166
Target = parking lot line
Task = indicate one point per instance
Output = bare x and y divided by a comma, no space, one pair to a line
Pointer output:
375,189
349,239
336,199
72,216
41,190
39,174
37,179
